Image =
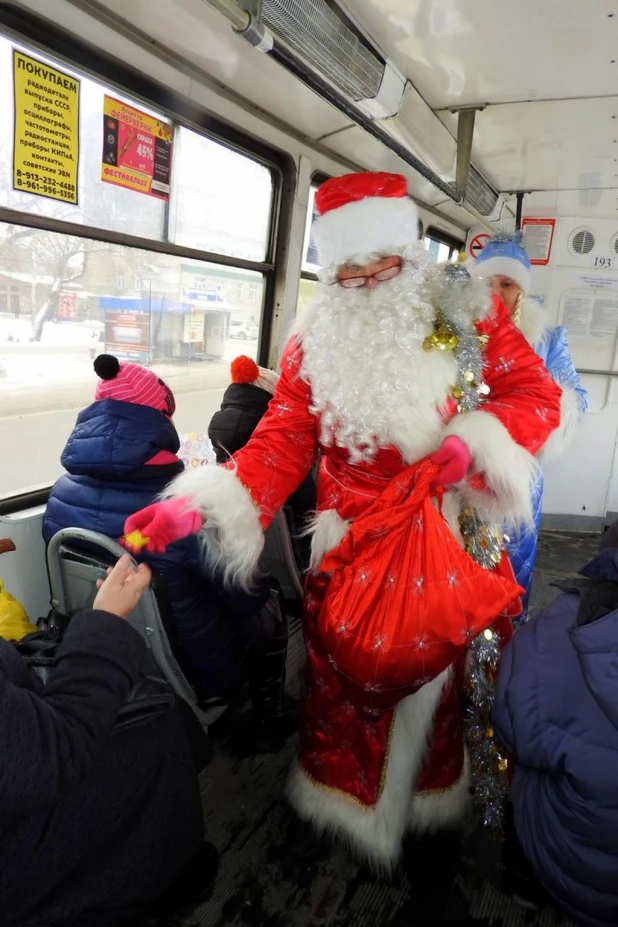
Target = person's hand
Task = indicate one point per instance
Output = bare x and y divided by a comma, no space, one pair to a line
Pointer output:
160,524
122,590
454,460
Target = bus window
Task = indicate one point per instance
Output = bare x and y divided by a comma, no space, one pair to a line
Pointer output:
68,295
310,266
441,247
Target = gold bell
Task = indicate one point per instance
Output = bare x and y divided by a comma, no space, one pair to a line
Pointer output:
483,339
457,392
469,376
442,339
503,764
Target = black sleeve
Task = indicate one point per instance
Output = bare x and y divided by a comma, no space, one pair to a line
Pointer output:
51,738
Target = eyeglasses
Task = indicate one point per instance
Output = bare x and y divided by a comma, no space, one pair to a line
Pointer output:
351,283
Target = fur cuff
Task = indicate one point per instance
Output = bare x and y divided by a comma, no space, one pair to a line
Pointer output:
570,417
509,471
232,534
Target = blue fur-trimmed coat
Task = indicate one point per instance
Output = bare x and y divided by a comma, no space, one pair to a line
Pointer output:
551,344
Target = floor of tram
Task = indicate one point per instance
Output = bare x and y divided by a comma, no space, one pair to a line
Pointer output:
260,886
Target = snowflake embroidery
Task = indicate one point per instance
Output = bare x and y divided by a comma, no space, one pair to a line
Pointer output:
378,533
504,365
378,644
271,459
333,499
453,580
311,603
283,408
345,744
323,684
420,642
391,581
362,778
292,362
418,584
363,576
343,629
542,414
332,662
297,438
372,686
418,522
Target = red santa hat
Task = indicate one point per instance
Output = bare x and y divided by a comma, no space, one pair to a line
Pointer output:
363,214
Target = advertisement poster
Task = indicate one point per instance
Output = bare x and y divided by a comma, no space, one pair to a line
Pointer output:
127,335
45,130
137,150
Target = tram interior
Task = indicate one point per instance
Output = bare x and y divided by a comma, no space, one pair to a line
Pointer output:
497,114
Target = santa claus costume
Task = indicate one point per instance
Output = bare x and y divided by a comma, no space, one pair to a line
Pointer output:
375,379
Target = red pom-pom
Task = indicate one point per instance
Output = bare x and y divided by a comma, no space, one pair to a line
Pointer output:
244,370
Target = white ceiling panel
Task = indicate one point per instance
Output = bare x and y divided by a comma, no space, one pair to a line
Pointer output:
193,30
568,146
470,51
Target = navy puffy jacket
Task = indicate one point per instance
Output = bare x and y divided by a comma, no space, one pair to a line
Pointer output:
107,480
557,712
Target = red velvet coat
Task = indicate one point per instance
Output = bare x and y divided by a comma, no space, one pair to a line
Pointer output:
342,748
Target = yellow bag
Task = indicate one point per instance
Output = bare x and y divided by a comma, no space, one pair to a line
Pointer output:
14,623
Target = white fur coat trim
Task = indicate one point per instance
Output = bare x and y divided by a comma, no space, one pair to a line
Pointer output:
510,471
570,419
328,529
376,225
232,533
532,321
376,833
505,267
436,810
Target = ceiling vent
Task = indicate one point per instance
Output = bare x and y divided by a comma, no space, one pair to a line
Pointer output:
322,38
582,242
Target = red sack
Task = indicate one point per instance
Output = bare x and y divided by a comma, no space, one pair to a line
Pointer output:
404,600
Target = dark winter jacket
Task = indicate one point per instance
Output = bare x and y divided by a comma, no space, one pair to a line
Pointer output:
95,823
230,429
557,713
108,479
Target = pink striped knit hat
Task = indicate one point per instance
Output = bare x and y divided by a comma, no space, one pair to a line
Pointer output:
132,383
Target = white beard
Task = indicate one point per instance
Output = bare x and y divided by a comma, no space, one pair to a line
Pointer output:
372,383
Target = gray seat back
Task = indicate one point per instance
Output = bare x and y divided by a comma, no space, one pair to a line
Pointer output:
76,559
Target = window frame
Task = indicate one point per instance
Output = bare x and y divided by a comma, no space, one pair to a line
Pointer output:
453,244
24,27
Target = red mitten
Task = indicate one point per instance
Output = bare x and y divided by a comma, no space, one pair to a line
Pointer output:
160,524
454,459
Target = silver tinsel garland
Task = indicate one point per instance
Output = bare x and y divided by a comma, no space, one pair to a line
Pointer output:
460,301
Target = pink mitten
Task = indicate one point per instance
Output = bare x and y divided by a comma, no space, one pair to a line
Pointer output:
453,459
160,524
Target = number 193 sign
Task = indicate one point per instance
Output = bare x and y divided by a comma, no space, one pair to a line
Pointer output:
137,150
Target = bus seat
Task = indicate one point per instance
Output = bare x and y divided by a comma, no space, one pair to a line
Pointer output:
76,559
279,560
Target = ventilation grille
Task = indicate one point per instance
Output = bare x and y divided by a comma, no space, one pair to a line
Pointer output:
313,31
582,242
479,194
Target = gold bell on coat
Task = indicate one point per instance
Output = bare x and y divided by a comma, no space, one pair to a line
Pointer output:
442,339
